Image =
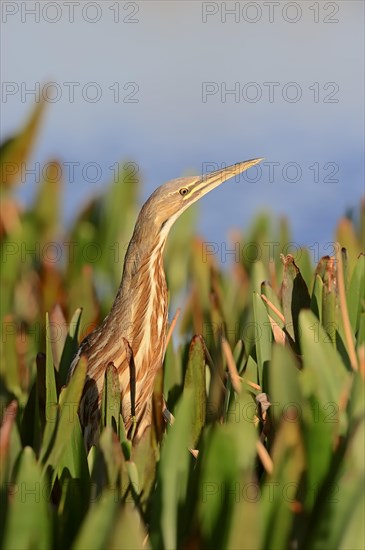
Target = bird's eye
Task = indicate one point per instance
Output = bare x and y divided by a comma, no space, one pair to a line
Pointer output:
184,191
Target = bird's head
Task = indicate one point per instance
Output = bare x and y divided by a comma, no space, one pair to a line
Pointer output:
170,200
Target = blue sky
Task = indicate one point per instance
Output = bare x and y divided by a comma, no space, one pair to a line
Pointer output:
174,85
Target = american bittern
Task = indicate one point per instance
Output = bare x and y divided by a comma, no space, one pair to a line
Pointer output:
133,335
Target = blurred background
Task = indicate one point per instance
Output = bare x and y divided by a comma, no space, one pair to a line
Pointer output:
182,87
135,93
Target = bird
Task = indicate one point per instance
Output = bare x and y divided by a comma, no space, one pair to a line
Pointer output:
132,336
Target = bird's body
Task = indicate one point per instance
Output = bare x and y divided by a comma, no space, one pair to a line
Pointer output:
133,335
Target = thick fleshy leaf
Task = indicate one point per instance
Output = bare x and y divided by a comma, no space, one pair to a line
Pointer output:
58,330
9,367
195,381
18,148
272,303
129,532
71,346
228,454
285,393
46,210
355,295
51,391
110,402
97,527
82,295
280,490
327,375
338,521
29,515
317,297
263,338
329,299
295,296
173,476
346,236
74,458
64,417
145,456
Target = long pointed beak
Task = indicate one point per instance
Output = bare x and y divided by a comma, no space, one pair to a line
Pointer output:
211,180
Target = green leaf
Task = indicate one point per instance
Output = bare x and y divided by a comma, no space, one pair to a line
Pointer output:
28,522
133,477
355,295
66,417
263,338
339,518
31,424
200,270
356,405
346,236
114,230
305,266
173,477
267,291
323,380
110,402
51,407
228,456
45,213
324,372
128,532
195,381
284,386
295,296
74,480
280,489
360,337
173,375
259,276
74,458
112,455
16,150
97,527
329,300
11,267
317,297
51,391
218,487
71,346
82,295
251,371
58,332
125,442
9,370
144,455
243,534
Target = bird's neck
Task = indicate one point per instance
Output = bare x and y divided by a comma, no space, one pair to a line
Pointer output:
140,259
143,277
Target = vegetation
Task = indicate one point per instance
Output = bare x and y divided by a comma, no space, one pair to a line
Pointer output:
263,373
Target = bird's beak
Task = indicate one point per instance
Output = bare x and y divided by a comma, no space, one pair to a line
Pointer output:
210,181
